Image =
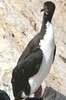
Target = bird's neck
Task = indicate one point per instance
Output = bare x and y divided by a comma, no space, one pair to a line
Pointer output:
46,18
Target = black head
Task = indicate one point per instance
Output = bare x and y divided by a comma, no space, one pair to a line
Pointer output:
48,8
4,95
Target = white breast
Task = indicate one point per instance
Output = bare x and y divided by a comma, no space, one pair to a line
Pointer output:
47,46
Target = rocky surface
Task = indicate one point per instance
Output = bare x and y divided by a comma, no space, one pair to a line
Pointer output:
51,94
20,21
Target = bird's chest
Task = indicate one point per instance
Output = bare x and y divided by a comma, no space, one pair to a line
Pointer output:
47,46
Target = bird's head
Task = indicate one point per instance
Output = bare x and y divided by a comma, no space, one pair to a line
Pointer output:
48,8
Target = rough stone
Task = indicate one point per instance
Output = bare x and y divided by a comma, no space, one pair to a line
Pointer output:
51,94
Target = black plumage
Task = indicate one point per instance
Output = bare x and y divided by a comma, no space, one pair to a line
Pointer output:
30,60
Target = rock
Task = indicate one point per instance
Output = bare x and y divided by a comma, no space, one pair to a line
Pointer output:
51,94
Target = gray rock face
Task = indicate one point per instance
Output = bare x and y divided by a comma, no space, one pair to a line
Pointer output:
51,94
